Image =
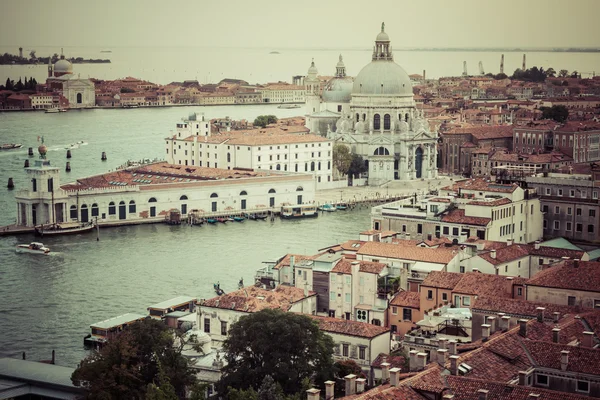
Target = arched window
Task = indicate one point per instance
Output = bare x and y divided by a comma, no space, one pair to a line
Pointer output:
94,210
152,200
79,98
184,197
376,122
296,167
357,117
278,167
381,151
406,117
243,193
364,117
305,167
73,212
386,122
228,157
299,189
312,165
319,166
121,203
214,195
272,191
131,206
112,210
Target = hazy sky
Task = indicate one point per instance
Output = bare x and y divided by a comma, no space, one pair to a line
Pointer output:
284,23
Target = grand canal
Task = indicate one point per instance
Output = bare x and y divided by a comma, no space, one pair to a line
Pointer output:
49,302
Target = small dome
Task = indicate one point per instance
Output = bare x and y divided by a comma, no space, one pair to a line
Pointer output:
63,66
340,63
383,77
313,69
382,37
338,90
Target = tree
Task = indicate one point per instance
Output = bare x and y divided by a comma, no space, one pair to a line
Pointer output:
574,74
19,85
500,76
288,347
557,113
357,165
32,54
342,158
9,84
144,360
264,120
551,72
563,73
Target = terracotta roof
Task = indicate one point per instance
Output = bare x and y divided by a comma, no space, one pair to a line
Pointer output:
407,299
584,276
490,203
457,216
479,284
285,261
394,361
387,392
506,254
485,131
430,380
344,266
350,328
352,245
582,360
555,252
521,308
481,185
442,280
465,388
253,299
389,250
571,330
436,241
487,244
440,200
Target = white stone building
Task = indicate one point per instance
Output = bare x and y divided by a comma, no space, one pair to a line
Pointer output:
41,101
381,122
282,93
286,149
148,192
80,92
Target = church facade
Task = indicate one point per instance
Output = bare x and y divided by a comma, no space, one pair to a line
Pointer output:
79,92
376,117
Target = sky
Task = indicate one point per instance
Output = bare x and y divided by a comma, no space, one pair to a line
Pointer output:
300,24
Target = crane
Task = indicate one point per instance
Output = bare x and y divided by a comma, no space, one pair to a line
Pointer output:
465,69
481,71
502,64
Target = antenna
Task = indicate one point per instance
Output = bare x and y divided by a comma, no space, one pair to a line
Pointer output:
502,64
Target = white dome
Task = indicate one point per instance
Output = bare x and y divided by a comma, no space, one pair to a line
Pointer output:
382,37
383,77
338,90
313,69
63,66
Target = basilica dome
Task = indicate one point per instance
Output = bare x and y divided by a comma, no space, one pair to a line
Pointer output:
383,77
63,66
338,90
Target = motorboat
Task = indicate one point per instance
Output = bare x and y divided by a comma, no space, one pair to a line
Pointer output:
299,211
33,248
239,219
10,146
327,208
76,145
257,216
62,110
52,111
64,228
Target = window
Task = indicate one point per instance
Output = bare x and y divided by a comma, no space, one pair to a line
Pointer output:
345,347
332,296
583,386
347,297
541,380
594,195
569,210
455,231
430,295
572,193
571,300
419,228
557,210
547,191
207,325
556,225
445,296
395,310
361,352
560,192
132,207
590,228
466,300
569,225
224,328
407,314
519,291
348,280
579,227
34,183
446,230
578,211
112,209
73,212
545,209
596,303
462,269
94,210
592,213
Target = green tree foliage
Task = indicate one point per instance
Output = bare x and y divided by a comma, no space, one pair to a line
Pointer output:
144,360
288,347
357,165
342,158
127,90
550,72
533,74
501,75
264,120
563,73
557,113
19,86
575,74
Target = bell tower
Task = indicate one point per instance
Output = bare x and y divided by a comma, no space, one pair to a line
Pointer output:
312,87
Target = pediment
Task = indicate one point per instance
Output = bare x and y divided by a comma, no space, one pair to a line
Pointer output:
380,140
423,135
345,138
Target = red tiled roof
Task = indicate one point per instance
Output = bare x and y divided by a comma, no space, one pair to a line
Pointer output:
479,284
389,250
344,266
407,299
555,252
387,392
481,185
457,216
506,254
491,203
442,280
285,261
584,276
253,299
521,308
394,361
350,328
582,360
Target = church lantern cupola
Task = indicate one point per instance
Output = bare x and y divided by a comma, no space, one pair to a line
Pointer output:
382,49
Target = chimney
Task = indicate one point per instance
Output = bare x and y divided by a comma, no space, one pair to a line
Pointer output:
329,390
536,245
556,335
564,359
394,377
522,378
313,394
588,339
523,327
53,357
421,361
492,322
454,365
452,347
442,343
306,289
576,263
540,314
350,384
555,316
385,371
441,356
412,361
482,394
407,236
485,332
360,385
510,242
493,254
505,323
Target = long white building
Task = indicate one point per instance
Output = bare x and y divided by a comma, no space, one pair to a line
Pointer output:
285,148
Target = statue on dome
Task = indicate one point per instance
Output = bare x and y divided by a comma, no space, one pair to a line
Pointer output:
382,26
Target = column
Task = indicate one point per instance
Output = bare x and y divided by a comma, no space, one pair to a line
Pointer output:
429,161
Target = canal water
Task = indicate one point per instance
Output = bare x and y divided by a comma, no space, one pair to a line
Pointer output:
48,302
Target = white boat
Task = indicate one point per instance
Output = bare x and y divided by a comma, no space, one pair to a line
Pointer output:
76,145
33,248
289,106
63,110
327,208
52,110
299,211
